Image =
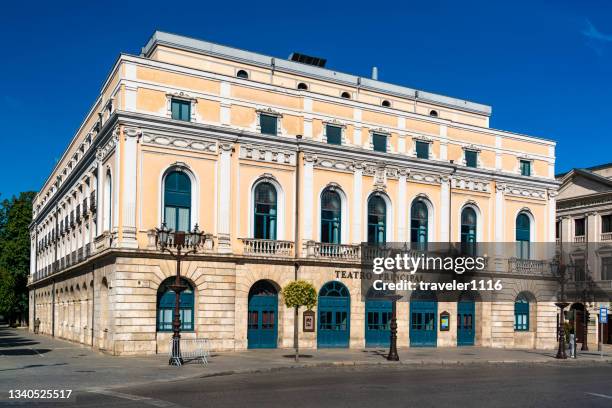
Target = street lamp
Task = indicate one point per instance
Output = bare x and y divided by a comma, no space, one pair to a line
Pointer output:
183,243
587,294
558,270
393,356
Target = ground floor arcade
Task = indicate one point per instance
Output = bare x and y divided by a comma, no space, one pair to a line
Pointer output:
123,305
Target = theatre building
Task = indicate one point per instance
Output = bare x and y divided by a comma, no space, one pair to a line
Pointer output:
287,166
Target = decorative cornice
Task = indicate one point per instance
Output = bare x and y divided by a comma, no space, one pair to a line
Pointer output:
199,145
525,192
268,154
472,184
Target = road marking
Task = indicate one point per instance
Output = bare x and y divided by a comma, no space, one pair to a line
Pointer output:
599,395
144,400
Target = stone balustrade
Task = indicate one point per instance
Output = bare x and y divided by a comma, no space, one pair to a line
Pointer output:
267,247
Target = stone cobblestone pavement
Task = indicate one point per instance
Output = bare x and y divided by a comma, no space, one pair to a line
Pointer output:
29,361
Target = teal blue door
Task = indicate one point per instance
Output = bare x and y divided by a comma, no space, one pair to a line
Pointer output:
378,322
423,328
466,313
262,320
334,316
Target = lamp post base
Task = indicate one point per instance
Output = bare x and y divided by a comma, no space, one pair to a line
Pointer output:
561,354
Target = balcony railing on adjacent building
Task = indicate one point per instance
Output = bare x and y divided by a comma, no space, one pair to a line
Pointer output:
267,247
606,236
528,266
580,239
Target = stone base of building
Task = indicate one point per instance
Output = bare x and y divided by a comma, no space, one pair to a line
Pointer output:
111,304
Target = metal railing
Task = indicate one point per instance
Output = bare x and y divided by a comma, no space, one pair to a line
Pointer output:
254,246
186,350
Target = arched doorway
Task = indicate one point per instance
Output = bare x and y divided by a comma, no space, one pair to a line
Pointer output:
423,312
466,321
334,316
577,320
378,313
262,317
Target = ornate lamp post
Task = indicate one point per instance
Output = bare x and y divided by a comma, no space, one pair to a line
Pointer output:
587,294
393,356
558,270
183,243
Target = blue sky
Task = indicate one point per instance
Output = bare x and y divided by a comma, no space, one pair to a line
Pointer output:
545,67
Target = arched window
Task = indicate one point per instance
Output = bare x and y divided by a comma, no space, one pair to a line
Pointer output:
419,215
377,220
346,95
331,216
386,103
177,201
433,113
521,313
108,206
523,234
242,74
265,211
165,305
468,230
302,86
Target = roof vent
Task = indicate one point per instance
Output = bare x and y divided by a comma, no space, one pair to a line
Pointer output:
307,59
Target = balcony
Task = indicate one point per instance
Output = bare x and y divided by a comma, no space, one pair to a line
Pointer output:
580,239
528,267
333,251
267,247
606,236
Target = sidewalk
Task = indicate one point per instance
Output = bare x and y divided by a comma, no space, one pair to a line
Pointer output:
31,361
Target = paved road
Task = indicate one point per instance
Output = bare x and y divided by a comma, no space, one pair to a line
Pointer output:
522,386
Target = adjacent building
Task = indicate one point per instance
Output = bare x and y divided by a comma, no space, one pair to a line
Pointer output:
281,163
584,231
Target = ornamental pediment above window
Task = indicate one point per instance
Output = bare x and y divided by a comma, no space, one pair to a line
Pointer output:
269,111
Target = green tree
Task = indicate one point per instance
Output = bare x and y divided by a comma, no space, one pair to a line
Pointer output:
15,218
296,294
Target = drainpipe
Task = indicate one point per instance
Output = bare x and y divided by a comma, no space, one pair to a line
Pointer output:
296,231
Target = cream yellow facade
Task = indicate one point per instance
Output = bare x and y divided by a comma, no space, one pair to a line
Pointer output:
95,268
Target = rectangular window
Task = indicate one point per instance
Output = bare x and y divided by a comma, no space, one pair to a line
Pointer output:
334,134
606,223
525,168
422,150
181,110
579,227
606,268
471,158
268,124
380,142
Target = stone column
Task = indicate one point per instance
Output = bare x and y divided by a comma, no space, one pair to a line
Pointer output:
357,203
99,200
128,181
224,183
307,198
444,209
401,207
